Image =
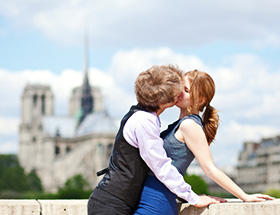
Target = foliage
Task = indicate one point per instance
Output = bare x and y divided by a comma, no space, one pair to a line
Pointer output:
273,192
39,195
13,180
225,195
15,184
12,176
199,186
34,181
75,188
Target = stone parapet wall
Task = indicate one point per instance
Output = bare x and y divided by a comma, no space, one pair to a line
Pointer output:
79,207
234,207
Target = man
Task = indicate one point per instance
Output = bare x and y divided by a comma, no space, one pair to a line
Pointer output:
138,148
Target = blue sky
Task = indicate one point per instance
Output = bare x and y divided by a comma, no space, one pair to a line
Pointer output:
236,42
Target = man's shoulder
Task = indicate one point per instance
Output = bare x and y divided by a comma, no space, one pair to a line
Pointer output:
144,114
141,117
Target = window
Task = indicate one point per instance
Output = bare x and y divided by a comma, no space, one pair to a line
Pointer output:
57,150
109,149
68,149
34,100
100,148
43,108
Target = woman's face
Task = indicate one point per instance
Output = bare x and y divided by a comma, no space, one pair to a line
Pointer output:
184,100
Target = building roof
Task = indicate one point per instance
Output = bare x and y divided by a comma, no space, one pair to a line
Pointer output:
97,122
59,125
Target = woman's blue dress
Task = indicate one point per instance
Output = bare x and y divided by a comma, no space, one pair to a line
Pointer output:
156,199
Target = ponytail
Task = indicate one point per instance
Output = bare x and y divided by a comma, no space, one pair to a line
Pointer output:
210,120
202,90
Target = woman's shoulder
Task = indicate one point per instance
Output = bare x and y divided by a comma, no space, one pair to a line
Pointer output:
192,118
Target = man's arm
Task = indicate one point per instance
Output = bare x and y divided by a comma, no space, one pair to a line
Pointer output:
144,131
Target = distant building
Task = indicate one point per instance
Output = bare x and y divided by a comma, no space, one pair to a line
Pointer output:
59,147
259,165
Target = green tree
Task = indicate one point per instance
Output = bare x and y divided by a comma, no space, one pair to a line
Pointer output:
34,181
12,176
7,161
75,188
199,186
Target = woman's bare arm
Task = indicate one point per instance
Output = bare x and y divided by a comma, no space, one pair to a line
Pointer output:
192,134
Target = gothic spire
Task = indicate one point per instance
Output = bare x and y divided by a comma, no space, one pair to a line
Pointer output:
87,98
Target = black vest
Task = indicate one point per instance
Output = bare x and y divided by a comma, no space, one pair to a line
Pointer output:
127,171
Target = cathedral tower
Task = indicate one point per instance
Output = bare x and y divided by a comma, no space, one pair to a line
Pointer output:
59,147
37,102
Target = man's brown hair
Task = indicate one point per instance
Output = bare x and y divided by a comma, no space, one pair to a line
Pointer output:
158,85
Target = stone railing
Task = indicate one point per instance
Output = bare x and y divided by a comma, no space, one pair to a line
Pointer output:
79,207
234,207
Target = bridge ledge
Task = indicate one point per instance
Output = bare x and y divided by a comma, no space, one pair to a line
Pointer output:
79,207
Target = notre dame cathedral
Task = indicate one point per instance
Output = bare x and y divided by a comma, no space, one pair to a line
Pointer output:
59,147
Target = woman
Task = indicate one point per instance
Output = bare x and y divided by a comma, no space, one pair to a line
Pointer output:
138,148
190,137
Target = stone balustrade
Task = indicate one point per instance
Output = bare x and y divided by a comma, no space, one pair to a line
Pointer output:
79,207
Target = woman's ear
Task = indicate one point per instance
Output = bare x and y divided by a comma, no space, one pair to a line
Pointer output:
202,100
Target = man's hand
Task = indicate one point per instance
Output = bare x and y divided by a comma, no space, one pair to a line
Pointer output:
207,200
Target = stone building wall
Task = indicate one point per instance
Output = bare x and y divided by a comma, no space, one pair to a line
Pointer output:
259,165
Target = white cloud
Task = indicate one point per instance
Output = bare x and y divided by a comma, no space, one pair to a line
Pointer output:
237,132
233,134
247,92
13,84
149,22
8,147
62,84
226,79
117,99
8,125
126,65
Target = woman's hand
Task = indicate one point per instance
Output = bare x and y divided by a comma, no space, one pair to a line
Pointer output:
257,198
207,200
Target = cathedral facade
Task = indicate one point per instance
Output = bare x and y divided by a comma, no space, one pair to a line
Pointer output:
59,147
